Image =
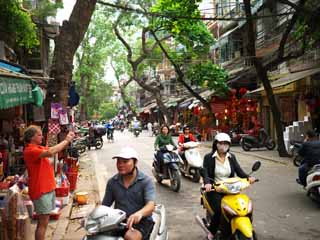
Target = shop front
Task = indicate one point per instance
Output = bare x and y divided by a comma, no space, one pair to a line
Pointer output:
297,95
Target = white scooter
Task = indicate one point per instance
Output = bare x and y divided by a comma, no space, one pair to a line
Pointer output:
103,222
313,183
193,161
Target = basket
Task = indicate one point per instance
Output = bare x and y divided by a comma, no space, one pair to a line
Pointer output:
72,177
62,191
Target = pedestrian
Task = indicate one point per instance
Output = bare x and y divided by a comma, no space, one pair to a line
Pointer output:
41,180
149,126
310,152
139,192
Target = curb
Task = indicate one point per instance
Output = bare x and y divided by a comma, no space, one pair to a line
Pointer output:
64,220
262,157
256,155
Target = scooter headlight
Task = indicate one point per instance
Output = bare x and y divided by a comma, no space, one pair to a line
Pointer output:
229,210
234,188
93,228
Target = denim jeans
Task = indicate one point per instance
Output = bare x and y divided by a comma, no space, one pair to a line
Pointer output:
303,173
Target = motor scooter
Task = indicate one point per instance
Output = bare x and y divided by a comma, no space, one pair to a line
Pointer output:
167,167
193,161
313,183
236,209
110,134
262,140
104,222
236,134
94,142
136,132
80,144
293,151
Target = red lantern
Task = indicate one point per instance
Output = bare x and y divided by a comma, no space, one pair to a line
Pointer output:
243,91
233,91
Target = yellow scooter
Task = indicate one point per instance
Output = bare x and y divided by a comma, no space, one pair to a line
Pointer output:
236,209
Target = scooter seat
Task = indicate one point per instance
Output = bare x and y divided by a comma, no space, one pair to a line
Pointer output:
315,168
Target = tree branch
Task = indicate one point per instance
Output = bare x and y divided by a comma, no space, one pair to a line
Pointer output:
289,28
127,46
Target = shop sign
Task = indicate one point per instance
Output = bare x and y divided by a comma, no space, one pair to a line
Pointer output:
14,92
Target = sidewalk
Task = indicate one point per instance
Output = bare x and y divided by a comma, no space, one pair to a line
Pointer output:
262,153
65,227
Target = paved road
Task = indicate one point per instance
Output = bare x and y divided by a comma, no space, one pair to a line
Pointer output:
281,209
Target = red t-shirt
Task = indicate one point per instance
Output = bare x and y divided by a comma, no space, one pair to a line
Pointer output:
191,137
40,171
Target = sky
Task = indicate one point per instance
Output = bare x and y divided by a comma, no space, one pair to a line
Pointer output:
64,14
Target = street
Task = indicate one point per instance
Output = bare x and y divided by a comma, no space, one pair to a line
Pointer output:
282,211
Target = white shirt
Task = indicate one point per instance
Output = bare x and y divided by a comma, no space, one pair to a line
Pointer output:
222,170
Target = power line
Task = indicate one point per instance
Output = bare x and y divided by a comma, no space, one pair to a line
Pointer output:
139,11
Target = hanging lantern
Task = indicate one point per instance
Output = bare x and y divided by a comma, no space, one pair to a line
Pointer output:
233,91
243,91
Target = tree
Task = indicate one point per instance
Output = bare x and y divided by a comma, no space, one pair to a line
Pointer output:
91,59
16,26
137,66
193,40
66,44
303,19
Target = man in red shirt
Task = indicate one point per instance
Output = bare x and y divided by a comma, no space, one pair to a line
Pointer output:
41,175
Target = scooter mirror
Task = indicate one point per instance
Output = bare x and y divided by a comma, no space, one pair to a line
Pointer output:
256,166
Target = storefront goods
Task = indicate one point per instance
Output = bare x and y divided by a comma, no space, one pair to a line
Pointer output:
55,109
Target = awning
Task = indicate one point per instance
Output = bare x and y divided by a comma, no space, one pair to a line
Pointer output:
195,103
15,89
206,94
172,102
185,103
293,77
147,108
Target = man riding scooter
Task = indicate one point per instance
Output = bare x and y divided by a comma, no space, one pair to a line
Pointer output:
310,151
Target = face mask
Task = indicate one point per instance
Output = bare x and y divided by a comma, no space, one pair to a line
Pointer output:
223,148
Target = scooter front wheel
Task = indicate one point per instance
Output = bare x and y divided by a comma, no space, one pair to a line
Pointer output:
240,236
196,176
271,145
175,180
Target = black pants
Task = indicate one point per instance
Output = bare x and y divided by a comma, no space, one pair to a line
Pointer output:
215,203
159,159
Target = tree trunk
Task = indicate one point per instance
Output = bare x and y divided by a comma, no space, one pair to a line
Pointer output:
262,75
83,115
163,109
66,44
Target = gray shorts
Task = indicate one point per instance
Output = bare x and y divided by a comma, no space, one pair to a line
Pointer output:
45,204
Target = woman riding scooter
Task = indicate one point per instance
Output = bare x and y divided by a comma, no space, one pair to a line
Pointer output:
219,165
164,138
184,138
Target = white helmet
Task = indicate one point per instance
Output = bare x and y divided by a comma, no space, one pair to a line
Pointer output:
222,137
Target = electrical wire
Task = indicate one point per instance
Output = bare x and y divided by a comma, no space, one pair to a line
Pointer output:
129,9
